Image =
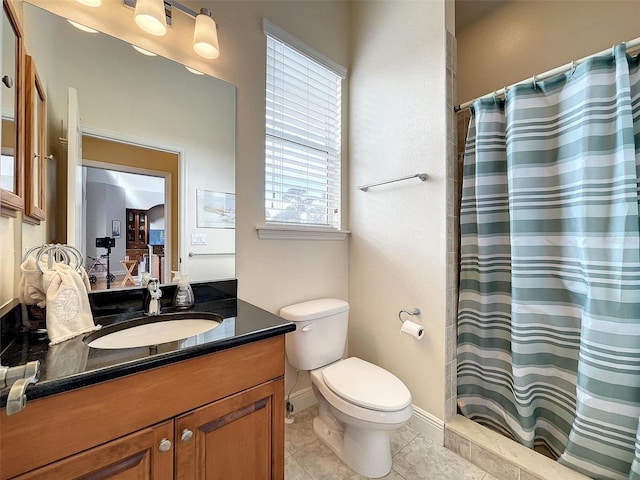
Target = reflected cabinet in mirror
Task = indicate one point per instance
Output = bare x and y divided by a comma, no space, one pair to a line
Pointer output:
12,166
118,112
35,151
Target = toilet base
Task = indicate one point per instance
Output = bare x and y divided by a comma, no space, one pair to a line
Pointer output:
368,452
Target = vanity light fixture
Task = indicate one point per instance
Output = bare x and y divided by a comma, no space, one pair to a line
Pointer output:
143,51
153,16
84,28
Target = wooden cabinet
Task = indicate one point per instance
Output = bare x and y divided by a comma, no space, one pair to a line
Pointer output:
223,414
232,438
137,231
137,227
136,456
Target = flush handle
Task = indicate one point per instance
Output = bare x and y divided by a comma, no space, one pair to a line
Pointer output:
186,435
165,445
307,328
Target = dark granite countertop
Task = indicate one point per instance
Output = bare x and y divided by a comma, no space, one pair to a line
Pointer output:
73,364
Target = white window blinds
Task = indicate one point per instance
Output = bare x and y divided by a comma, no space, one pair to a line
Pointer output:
302,147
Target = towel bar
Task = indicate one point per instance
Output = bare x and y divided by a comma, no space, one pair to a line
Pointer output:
421,176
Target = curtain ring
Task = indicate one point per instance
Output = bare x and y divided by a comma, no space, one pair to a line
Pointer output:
535,87
573,68
495,99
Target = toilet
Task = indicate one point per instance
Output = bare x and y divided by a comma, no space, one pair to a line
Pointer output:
359,403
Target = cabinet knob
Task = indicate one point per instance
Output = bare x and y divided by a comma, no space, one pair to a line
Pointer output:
165,445
186,435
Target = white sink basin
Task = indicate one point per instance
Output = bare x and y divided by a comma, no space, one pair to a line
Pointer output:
156,330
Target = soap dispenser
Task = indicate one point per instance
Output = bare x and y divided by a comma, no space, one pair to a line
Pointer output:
183,298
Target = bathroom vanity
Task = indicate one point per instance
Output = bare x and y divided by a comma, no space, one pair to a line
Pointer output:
210,409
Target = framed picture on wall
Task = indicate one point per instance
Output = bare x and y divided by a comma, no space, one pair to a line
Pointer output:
215,209
115,228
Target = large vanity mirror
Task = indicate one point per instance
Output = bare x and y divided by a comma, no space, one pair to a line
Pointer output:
128,111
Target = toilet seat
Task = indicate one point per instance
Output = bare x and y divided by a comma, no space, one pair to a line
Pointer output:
366,385
356,412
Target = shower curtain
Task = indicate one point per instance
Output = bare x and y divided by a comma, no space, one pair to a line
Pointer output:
549,303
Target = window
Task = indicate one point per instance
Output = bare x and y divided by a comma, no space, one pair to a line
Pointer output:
303,144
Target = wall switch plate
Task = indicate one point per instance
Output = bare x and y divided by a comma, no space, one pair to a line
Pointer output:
198,239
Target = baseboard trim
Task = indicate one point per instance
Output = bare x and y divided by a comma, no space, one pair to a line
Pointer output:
428,425
422,421
302,399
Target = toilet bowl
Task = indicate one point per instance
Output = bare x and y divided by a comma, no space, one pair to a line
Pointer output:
359,403
354,421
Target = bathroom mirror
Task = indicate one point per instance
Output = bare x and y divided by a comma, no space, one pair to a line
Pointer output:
12,159
143,101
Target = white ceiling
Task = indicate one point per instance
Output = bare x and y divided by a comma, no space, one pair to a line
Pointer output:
127,181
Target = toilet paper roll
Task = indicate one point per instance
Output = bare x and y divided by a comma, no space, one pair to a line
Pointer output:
413,329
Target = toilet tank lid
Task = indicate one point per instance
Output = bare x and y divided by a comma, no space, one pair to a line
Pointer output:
313,309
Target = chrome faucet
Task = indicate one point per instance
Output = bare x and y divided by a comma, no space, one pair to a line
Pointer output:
152,306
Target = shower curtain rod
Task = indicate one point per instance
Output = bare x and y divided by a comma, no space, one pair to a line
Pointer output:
543,76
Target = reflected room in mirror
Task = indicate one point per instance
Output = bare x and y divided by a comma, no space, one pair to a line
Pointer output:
129,208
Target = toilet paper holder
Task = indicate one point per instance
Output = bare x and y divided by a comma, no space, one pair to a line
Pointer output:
414,311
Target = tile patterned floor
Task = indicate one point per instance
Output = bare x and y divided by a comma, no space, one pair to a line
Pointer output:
414,457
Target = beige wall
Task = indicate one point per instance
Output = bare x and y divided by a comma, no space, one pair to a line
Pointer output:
275,273
525,38
397,257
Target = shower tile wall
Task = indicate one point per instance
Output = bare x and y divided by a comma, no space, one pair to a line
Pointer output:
452,231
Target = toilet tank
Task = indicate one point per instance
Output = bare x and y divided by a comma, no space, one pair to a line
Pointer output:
320,335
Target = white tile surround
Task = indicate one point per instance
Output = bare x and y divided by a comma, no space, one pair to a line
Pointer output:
501,456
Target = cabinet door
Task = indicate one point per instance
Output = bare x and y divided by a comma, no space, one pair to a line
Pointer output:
240,437
137,456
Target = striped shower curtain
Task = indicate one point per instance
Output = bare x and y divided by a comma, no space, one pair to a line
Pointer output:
549,306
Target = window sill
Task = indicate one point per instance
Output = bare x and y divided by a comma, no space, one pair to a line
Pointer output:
288,232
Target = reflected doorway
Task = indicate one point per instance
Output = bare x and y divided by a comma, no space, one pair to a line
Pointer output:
157,171
130,208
